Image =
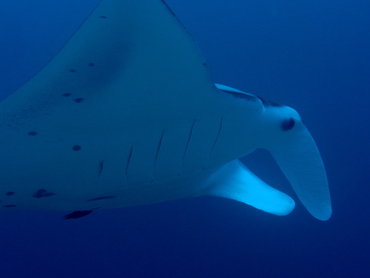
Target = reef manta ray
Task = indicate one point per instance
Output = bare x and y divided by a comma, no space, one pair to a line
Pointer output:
126,114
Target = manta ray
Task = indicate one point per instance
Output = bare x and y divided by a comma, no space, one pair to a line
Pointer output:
127,114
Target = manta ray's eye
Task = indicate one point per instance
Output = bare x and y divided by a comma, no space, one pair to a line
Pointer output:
287,124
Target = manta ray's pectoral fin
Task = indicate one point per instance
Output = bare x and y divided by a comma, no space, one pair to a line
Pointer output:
77,214
237,182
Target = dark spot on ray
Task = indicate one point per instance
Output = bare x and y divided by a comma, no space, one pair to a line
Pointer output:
42,193
10,193
76,148
91,64
66,94
77,214
101,198
102,16
10,206
32,133
72,70
287,124
78,100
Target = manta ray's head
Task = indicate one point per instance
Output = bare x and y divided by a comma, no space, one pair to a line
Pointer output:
288,140
279,129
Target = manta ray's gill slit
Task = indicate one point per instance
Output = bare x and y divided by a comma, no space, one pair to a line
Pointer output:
103,16
9,206
100,170
10,193
32,133
101,166
159,147
217,136
91,64
72,70
66,94
187,143
129,160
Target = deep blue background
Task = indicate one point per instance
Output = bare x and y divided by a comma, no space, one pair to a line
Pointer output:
311,55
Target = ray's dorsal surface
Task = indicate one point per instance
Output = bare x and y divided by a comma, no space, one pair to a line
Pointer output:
126,114
129,88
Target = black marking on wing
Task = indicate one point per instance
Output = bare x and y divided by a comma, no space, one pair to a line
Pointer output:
76,148
9,206
78,100
43,193
187,143
77,214
287,124
159,146
10,193
101,198
217,136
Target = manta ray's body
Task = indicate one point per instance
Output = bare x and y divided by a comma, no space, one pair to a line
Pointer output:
126,114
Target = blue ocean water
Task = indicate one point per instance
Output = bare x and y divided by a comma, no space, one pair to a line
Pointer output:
311,55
